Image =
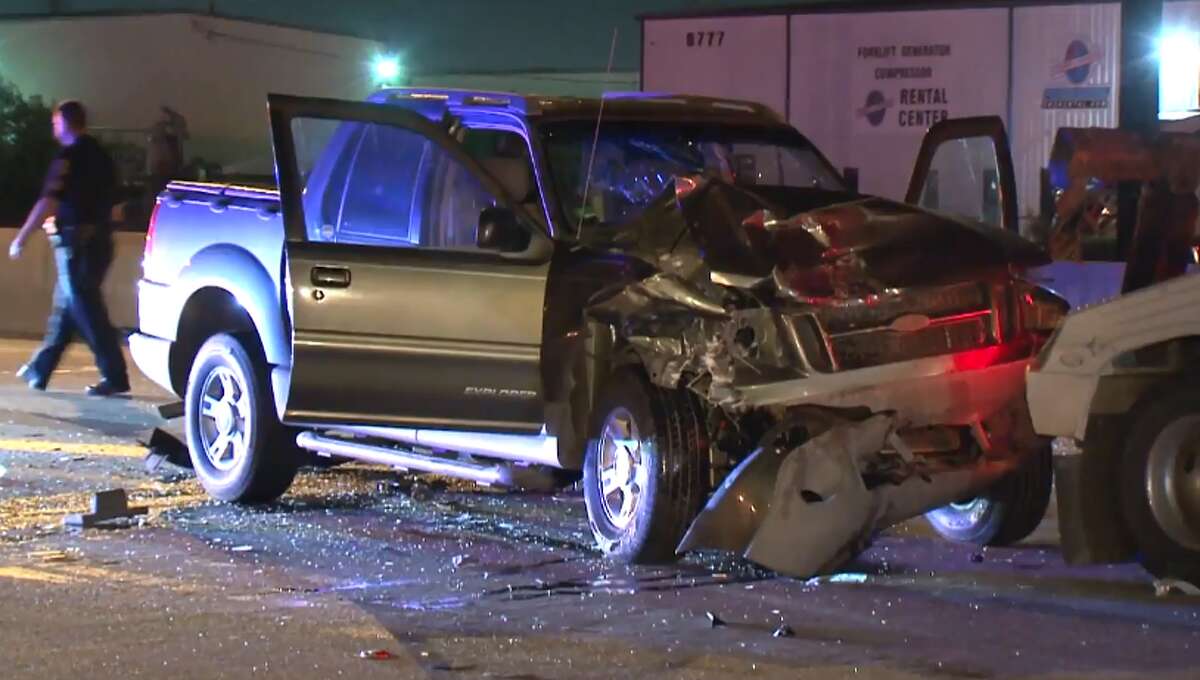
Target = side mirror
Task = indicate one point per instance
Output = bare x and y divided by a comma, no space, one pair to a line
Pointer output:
500,231
851,177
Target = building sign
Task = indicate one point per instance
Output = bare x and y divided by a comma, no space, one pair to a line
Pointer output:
902,87
866,86
910,75
907,92
1071,79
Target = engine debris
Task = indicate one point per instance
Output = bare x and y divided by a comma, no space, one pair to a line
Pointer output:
106,506
165,447
376,655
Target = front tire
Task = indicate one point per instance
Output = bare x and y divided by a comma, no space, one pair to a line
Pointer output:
1005,514
645,475
1160,477
237,445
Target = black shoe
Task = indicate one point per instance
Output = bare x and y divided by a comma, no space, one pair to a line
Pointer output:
31,378
105,388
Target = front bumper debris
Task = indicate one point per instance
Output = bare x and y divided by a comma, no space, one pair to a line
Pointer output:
805,510
761,506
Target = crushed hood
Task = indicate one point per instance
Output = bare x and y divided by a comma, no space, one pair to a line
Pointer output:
819,243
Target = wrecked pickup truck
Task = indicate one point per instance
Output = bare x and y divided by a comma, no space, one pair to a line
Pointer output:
677,296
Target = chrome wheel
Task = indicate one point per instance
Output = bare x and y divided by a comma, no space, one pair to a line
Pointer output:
225,418
1173,481
973,509
961,516
623,466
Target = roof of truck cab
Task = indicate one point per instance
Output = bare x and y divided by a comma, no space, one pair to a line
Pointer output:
648,106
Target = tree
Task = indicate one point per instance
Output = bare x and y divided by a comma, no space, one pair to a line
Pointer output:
26,149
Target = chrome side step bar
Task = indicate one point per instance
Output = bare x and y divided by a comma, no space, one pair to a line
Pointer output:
489,475
540,449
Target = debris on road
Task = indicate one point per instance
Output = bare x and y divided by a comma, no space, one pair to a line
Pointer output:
459,560
241,548
783,631
106,505
1167,586
165,447
393,486
376,655
714,621
756,510
171,411
847,577
54,555
977,558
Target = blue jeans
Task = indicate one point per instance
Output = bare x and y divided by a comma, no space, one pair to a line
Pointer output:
79,309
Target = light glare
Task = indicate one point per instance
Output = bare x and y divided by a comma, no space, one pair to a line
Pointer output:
386,69
1179,71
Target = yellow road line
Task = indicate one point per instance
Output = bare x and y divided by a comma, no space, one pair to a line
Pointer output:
24,574
61,574
73,448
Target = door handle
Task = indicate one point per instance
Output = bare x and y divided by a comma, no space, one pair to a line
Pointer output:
331,277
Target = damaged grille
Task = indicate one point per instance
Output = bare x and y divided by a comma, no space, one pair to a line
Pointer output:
908,325
871,348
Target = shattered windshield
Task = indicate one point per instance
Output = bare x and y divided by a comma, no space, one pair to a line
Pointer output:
635,161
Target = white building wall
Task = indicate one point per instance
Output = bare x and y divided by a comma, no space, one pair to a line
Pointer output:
573,84
216,72
739,58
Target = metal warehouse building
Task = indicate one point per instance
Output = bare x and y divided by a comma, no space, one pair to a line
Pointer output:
865,83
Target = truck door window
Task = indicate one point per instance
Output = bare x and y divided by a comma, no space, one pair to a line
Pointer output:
964,180
505,156
379,206
324,151
331,198
456,199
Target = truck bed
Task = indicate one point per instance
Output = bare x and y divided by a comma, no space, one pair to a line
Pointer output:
204,234
253,191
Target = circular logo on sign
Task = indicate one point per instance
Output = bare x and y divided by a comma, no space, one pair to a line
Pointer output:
1076,66
875,109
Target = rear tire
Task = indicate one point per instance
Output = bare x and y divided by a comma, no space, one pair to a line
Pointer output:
645,475
1160,477
1007,513
238,447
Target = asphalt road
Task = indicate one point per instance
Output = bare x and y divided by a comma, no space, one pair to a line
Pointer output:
454,582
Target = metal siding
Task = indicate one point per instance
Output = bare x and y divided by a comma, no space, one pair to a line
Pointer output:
1040,39
749,63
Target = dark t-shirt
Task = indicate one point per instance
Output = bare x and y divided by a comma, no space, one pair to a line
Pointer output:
83,179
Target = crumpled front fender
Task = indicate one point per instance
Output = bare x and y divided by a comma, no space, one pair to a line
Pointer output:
806,510
801,511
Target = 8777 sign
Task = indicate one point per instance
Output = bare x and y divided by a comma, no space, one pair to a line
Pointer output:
705,38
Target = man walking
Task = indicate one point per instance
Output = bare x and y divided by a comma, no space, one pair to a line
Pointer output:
78,195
